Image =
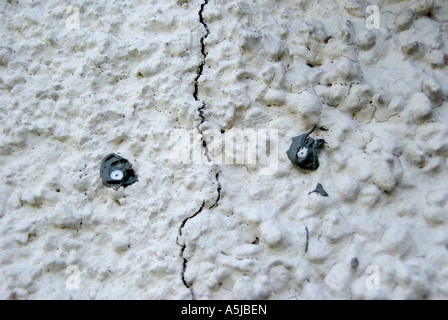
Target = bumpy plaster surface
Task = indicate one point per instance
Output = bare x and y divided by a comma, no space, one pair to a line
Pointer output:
135,72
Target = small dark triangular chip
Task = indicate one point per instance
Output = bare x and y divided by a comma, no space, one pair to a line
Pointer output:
320,190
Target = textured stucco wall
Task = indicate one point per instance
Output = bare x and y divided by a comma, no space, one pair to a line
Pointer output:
152,80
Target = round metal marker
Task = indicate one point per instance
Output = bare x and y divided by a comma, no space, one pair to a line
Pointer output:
116,172
302,153
116,175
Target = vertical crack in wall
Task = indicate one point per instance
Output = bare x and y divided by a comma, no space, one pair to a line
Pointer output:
201,109
204,145
183,246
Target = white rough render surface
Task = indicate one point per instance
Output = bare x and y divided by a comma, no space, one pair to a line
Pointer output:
136,70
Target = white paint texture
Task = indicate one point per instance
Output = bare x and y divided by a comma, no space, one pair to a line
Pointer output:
125,79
